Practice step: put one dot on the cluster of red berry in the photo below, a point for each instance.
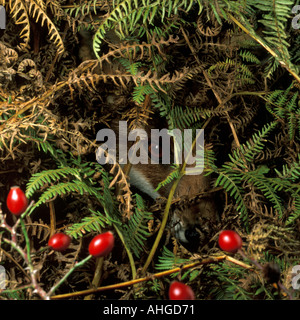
(102, 244)
(229, 241)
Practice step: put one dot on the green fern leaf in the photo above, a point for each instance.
(136, 230)
(174, 174)
(168, 260)
(39, 179)
(62, 189)
(230, 182)
(93, 223)
(266, 187)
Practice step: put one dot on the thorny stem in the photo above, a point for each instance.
(34, 284)
(25, 255)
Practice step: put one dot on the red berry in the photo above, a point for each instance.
(59, 241)
(16, 201)
(230, 241)
(102, 244)
(180, 291)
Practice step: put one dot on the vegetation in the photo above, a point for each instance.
(230, 67)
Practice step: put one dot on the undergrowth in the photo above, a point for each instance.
(229, 67)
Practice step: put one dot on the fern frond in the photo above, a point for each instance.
(138, 51)
(291, 173)
(266, 186)
(249, 57)
(276, 15)
(242, 71)
(162, 102)
(278, 99)
(282, 105)
(83, 9)
(37, 12)
(136, 229)
(292, 117)
(62, 189)
(132, 68)
(128, 14)
(229, 276)
(39, 179)
(252, 147)
(184, 117)
(174, 174)
(168, 260)
(296, 214)
(156, 82)
(271, 66)
(231, 181)
(139, 93)
(93, 223)
(20, 15)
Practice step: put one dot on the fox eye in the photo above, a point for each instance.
(155, 151)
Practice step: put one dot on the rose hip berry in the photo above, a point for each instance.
(230, 241)
(102, 244)
(59, 241)
(180, 291)
(16, 201)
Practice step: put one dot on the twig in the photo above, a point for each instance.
(52, 218)
(154, 276)
(62, 280)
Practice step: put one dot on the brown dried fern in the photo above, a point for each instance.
(21, 11)
(20, 15)
(123, 79)
(120, 179)
(136, 51)
(38, 12)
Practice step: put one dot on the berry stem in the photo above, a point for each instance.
(256, 263)
(63, 279)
